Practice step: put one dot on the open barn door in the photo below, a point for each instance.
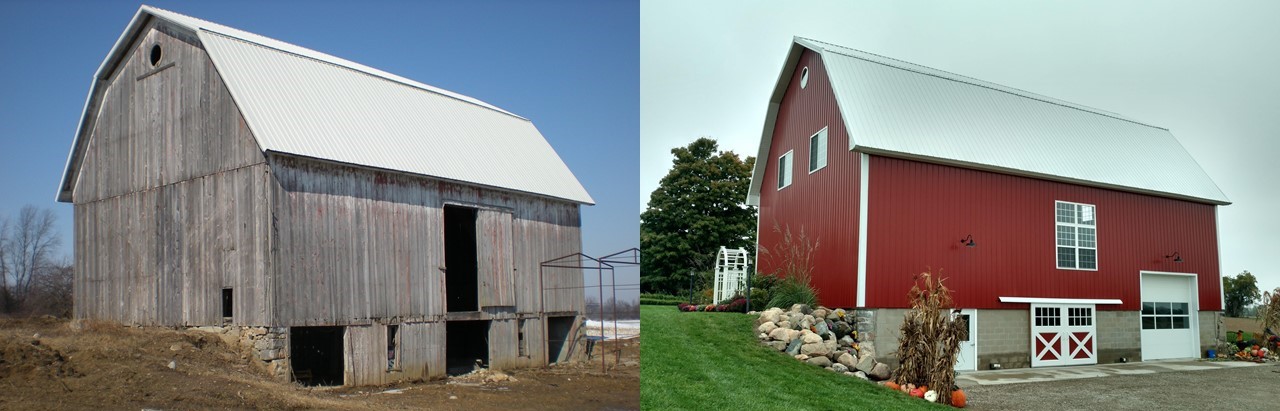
(495, 258)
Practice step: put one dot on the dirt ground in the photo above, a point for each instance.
(1246, 388)
(44, 364)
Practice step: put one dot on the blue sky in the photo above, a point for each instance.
(572, 67)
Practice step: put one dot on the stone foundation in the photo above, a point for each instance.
(267, 348)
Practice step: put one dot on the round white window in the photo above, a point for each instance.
(804, 77)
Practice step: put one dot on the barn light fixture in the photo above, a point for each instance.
(968, 241)
(1177, 258)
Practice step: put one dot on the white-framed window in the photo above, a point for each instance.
(1080, 316)
(784, 170)
(1165, 315)
(1076, 228)
(1048, 316)
(818, 150)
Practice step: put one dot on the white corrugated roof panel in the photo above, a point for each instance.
(303, 102)
(895, 108)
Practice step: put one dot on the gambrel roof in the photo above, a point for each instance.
(899, 109)
(306, 103)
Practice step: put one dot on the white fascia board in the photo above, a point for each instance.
(1040, 300)
(863, 180)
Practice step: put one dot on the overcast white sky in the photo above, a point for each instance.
(1208, 73)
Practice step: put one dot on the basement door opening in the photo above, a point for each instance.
(559, 335)
(316, 355)
(466, 346)
(461, 282)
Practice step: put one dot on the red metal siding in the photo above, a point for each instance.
(918, 212)
(823, 204)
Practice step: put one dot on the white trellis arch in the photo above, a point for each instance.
(731, 272)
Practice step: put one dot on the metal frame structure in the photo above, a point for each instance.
(731, 272)
(580, 261)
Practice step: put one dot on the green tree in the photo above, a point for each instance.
(698, 207)
(1240, 291)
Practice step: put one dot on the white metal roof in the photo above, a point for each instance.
(894, 108)
(303, 102)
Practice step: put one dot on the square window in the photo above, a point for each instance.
(1066, 213)
(1088, 237)
(1148, 323)
(1180, 323)
(1164, 308)
(818, 151)
(1148, 308)
(1164, 323)
(1088, 259)
(1180, 309)
(1066, 257)
(1086, 214)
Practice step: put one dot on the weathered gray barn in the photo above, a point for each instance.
(352, 225)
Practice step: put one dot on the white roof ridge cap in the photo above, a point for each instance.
(960, 78)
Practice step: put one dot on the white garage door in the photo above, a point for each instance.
(1169, 328)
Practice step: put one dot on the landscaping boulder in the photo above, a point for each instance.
(806, 322)
(838, 367)
(793, 347)
(784, 324)
(880, 372)
(777, 345)
(836, 314)
(809, 337)
(821, 328)
(865, 363)
(781, 334)
(848, 360)
(819, 361)
(814, 349)
(841, 328)
(801, 308)
(767, 327)
(820, 312)
(861, 375)
(801, 357)
(846, 341)
(771, 315)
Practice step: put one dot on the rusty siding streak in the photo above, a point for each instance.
(822, 205)
(918, 212)
(170, 204)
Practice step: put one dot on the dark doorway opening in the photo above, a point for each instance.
(461, 282)
(316, 355)
(558, 335)
(466, 346)
(226, 304)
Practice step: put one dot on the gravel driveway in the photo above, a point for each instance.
(1246, 388)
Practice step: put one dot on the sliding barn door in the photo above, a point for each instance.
(494, 258)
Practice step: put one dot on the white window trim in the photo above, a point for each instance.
(825, 150)
(791, 163)
(1096, 260)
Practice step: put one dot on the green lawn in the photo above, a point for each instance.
(712, 361)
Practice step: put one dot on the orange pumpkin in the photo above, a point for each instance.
(958, 399)
(892, 385)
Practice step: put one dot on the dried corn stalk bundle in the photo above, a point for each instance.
(930, 338)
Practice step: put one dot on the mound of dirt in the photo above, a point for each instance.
(47, 363)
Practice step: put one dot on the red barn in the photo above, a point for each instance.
(1069, 235)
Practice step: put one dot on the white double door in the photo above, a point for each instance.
(1063, 334)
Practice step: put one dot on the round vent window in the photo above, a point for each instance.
(155, 54)
(804, 76)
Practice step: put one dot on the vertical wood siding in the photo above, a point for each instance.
(822, 205)
(494, 255)
(918, 212)
(423, 350)
(170, 201)
(354, 245)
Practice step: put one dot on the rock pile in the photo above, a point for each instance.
(821, 337)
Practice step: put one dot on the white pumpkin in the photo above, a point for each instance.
(931, 396)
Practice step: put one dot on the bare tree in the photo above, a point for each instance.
(27, 249)
(51, 291)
